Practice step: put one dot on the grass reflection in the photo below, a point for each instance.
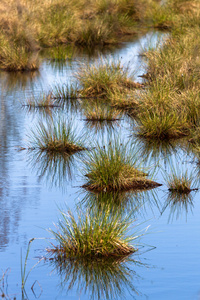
(101, 278)
(15, 81)
(135, 201)
(56, 168)
(103, 127)
(154, 150)
(44, 113)
(178, 204)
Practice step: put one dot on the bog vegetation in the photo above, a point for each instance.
(28, 26)
(56, 136)
(93, 233)
(115, 167)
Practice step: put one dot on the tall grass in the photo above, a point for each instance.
(57, 136)
(114, 167)
(93, 233)
(52, 23)
(32, 25)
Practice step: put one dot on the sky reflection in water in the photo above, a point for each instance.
(33, 185)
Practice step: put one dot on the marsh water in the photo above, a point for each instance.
(33, 188)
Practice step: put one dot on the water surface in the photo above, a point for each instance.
(32, 189)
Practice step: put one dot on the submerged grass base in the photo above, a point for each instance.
(135, 183)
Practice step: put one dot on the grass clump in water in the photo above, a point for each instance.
(113, 167)
(160, 114)
(156, 125)
(93, 233)
(98, 111)
(102, 77)
(180, 181)
(57, 136)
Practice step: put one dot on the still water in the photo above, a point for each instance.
(32, 189)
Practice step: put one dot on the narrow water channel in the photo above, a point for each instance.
(32, 190)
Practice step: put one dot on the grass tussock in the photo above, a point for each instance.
(56, 136)
(113, 167)
(93, 234)
(98, 111)
(169, 108)
(180, 181)
(162, 126)
(102, 77)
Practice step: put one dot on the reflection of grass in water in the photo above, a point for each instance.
(44, 113)
(101, 278)
(60, 53)
(94, 233)
(56, 136)
(13, 81)
(56, 168)
(105, 127)
(156, 150)
(135, 201)
(42, 101)
(178, 203)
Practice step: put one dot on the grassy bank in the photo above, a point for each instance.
(27, 26)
